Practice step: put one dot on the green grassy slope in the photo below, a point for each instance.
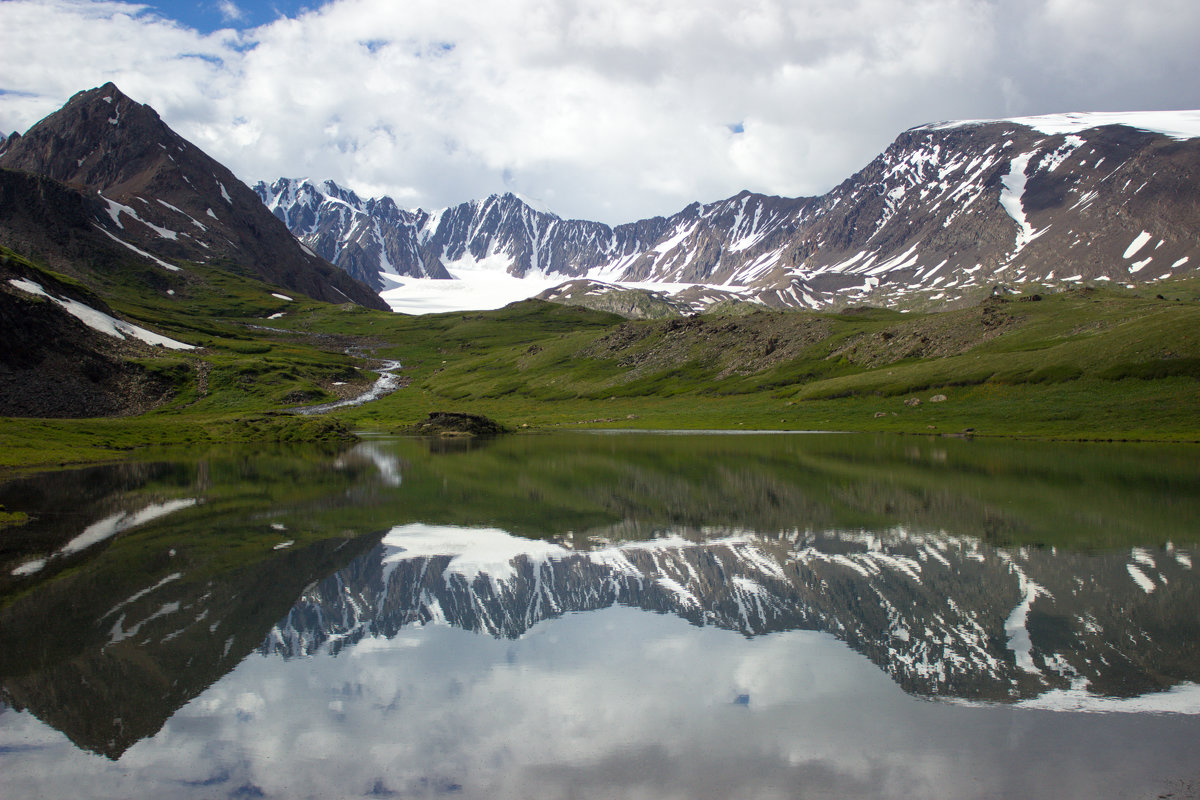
(1092, 363)
(1083, 364)
(232, 388)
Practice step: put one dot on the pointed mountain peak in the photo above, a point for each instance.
(517, 198)
(332, 189)
(166, 196)
(110, 103)
(99, 139)
(108, 93)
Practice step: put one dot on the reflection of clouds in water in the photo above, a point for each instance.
(389, 465)
(616, 703)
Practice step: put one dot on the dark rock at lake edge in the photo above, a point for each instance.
(452, 423)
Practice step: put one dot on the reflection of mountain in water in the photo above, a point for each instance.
(115, 681)
(942, 615)
(136, 586)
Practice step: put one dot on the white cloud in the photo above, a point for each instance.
(602, 109)
(230, 11)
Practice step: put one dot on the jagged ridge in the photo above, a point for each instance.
(946, 212)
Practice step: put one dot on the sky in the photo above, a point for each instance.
(611, 110)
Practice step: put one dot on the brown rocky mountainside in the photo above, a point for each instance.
(146, 189)
(52, 364)
(944, 214)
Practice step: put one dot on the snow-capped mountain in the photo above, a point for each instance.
(363, 238)
(943, 616)
(374, 238)
(948, 211)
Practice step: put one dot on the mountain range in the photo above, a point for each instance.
(948, 212)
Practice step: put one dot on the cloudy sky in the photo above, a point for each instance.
(599, 109)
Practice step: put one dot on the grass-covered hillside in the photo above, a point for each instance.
(1090, 363)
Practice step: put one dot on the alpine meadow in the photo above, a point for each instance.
(326, 487)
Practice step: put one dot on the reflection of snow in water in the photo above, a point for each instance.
(106, 528)
(1183, 698)
(1017, 625)
(387, 383)
(503, 584)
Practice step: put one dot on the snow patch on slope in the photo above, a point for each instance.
(1137, 244)
(98, 320)
(1178, 125)
(1012, 201)
(140, 251)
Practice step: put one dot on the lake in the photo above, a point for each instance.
(607, 615)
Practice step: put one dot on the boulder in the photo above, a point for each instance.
(453, 423)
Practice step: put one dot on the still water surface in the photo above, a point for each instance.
(598, 616)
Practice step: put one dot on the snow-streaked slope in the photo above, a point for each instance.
(945, 214)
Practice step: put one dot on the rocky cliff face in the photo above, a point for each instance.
(946, 213)
(150, 191)
(363, 238)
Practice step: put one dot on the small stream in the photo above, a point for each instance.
(387, 383)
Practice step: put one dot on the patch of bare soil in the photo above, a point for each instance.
(740, 345)
(935, 336)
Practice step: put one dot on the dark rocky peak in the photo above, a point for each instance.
(516, 201)
(496, 207)
(101, 139)
(386, 208)
(294, 201)
(165, 196)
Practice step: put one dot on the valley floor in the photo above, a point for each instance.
(1088, 364)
